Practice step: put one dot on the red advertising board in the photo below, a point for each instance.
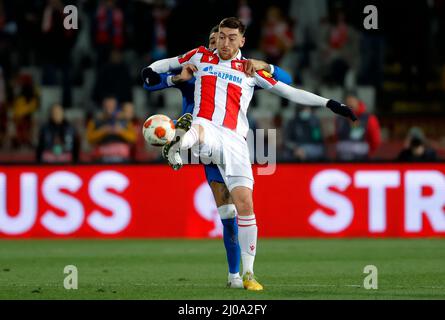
(304, 200)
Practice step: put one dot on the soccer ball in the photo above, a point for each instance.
(158, 130)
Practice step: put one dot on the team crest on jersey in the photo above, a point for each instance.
(238, 65)
(207, 58)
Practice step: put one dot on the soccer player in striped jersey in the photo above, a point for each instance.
(185, 82)
(222, 95)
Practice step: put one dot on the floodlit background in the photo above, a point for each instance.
(336, 200)
(394, 77)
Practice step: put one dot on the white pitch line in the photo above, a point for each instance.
(314, 285)
(291, 285)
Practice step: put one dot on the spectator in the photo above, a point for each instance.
(29, 30)
(110, 134)
(127, 114)
(8, 39)
(277, 38)
(23, 107)
(339, 49)
(160, 14)
(58, 139)
(244, 12)
(3, 109)
(114, 77)
(141, 18)
(373, 48)
(303, 137)
(108, 30)
(54, 32)
(416, 148)
(357, 141)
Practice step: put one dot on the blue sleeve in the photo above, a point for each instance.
(160, 86)
(281, 75)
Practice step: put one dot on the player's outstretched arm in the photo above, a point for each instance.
(170, 64)
(303, 97)
(151, 74)
(307, 98)
(165, 65)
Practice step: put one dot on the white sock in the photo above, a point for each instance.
(234, 275)
(189, 139)
(247, 237)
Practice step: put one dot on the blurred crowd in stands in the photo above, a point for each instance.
(69, 95)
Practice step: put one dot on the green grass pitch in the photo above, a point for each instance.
(196, 269)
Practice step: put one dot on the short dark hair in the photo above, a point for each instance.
(233, 23)
(214, 29)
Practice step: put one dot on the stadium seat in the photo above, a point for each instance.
(268, 103)
(173, 100)
(48, 96)
(367, 94)
(141, 108)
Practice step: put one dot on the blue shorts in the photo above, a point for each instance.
(212, 173)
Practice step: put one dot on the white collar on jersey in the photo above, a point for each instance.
(238, 55)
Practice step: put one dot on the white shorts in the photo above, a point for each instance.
(229, 151)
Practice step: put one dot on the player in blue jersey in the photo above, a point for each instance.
(184, 81)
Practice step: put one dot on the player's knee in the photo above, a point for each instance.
(244, 206)
(227, 211)
(220, 193)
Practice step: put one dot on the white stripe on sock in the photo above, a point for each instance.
(246, 220)
(247, 237)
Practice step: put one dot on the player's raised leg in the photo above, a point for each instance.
(171, 151)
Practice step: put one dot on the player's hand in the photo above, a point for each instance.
(253, 65)
(186, 73)
(150, 77)
(341, 109)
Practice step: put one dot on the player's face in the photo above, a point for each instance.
(229, 42)
(212, 40)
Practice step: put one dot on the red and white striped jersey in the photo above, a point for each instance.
(222, 90)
